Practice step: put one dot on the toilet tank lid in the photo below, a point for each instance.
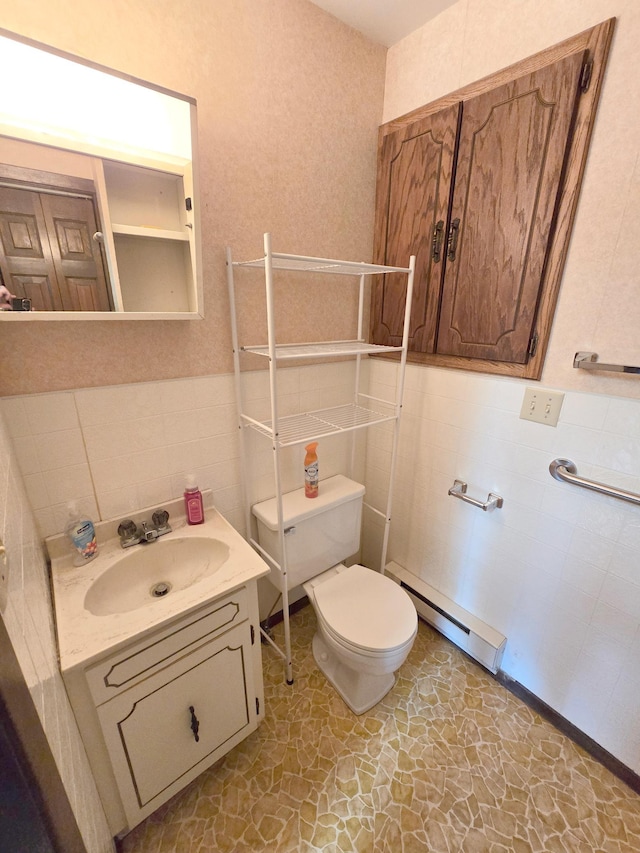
(296, 507)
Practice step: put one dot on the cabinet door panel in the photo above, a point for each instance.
(510, 163)
(25, 254)
(47, 251)
(71, 224)
(156, 732)
(414, 177)
(40, 289)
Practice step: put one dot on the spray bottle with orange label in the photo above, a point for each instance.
(311, 471)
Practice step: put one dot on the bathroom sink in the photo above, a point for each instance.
(149, 573)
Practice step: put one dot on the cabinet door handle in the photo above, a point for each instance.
(452, 242)
(436, 245)
(195, 725)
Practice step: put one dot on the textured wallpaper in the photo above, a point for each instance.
(289, 101)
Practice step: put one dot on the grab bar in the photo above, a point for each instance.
(589, 361)
(564, 469)
(459, 490)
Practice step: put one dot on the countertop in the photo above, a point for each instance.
(84, 637)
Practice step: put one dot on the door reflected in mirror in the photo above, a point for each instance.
(98, 207)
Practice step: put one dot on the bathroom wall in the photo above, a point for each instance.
(29, 621)
(119, 448)
(289, 101)
(557, 569)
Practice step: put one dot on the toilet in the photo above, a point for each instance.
(366, 622)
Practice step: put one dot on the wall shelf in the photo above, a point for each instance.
(302, 263)
(309, 426)
(362, 412)
(326, 349)
(144, 231)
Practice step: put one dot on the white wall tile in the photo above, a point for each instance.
(68, 484)
(48, 413)
(556, 559)
(560, 560)
(15, 415)
(28, 618)
(585, 410)
(60, 449)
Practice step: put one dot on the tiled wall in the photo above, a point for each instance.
(121, 448)
(29, 621)
(557, 570)
(113, 450)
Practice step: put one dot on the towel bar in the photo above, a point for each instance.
(589, 361)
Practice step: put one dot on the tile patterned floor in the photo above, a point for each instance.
(449, 761)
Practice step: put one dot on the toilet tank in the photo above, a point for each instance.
(319, 532)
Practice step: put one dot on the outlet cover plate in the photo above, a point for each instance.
(541, 406)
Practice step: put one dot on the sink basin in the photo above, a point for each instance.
(149, 573)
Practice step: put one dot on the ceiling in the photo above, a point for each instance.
(384, 21)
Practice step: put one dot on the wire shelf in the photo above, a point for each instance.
(300, 263)
(326, 349)
(296, 429)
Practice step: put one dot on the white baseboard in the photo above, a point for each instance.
(481, 641)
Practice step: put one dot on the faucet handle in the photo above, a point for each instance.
(127, 529)
(160, 518)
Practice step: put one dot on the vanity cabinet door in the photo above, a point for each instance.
(168, 729)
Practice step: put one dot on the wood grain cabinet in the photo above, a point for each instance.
(482, 187)
(48, 252)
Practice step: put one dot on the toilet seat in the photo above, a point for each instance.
(366, 611)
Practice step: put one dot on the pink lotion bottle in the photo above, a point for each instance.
(193, 505)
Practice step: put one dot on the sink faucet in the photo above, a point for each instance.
(148, 533)
(130, 534)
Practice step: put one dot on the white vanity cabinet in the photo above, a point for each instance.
(156, 713)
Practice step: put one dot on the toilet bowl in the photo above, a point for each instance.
(366, 622)
(366, 628)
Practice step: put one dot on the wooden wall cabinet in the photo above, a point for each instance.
(482, 187)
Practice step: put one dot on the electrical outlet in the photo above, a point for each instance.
(541, 406)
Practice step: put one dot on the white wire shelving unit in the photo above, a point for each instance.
(286, 431)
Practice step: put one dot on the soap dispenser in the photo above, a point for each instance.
(193, 505)
(82, 534)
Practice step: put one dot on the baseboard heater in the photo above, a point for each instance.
(479, 640)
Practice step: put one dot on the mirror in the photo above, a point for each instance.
(98, 203)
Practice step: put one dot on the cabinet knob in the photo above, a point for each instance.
(195, 725)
